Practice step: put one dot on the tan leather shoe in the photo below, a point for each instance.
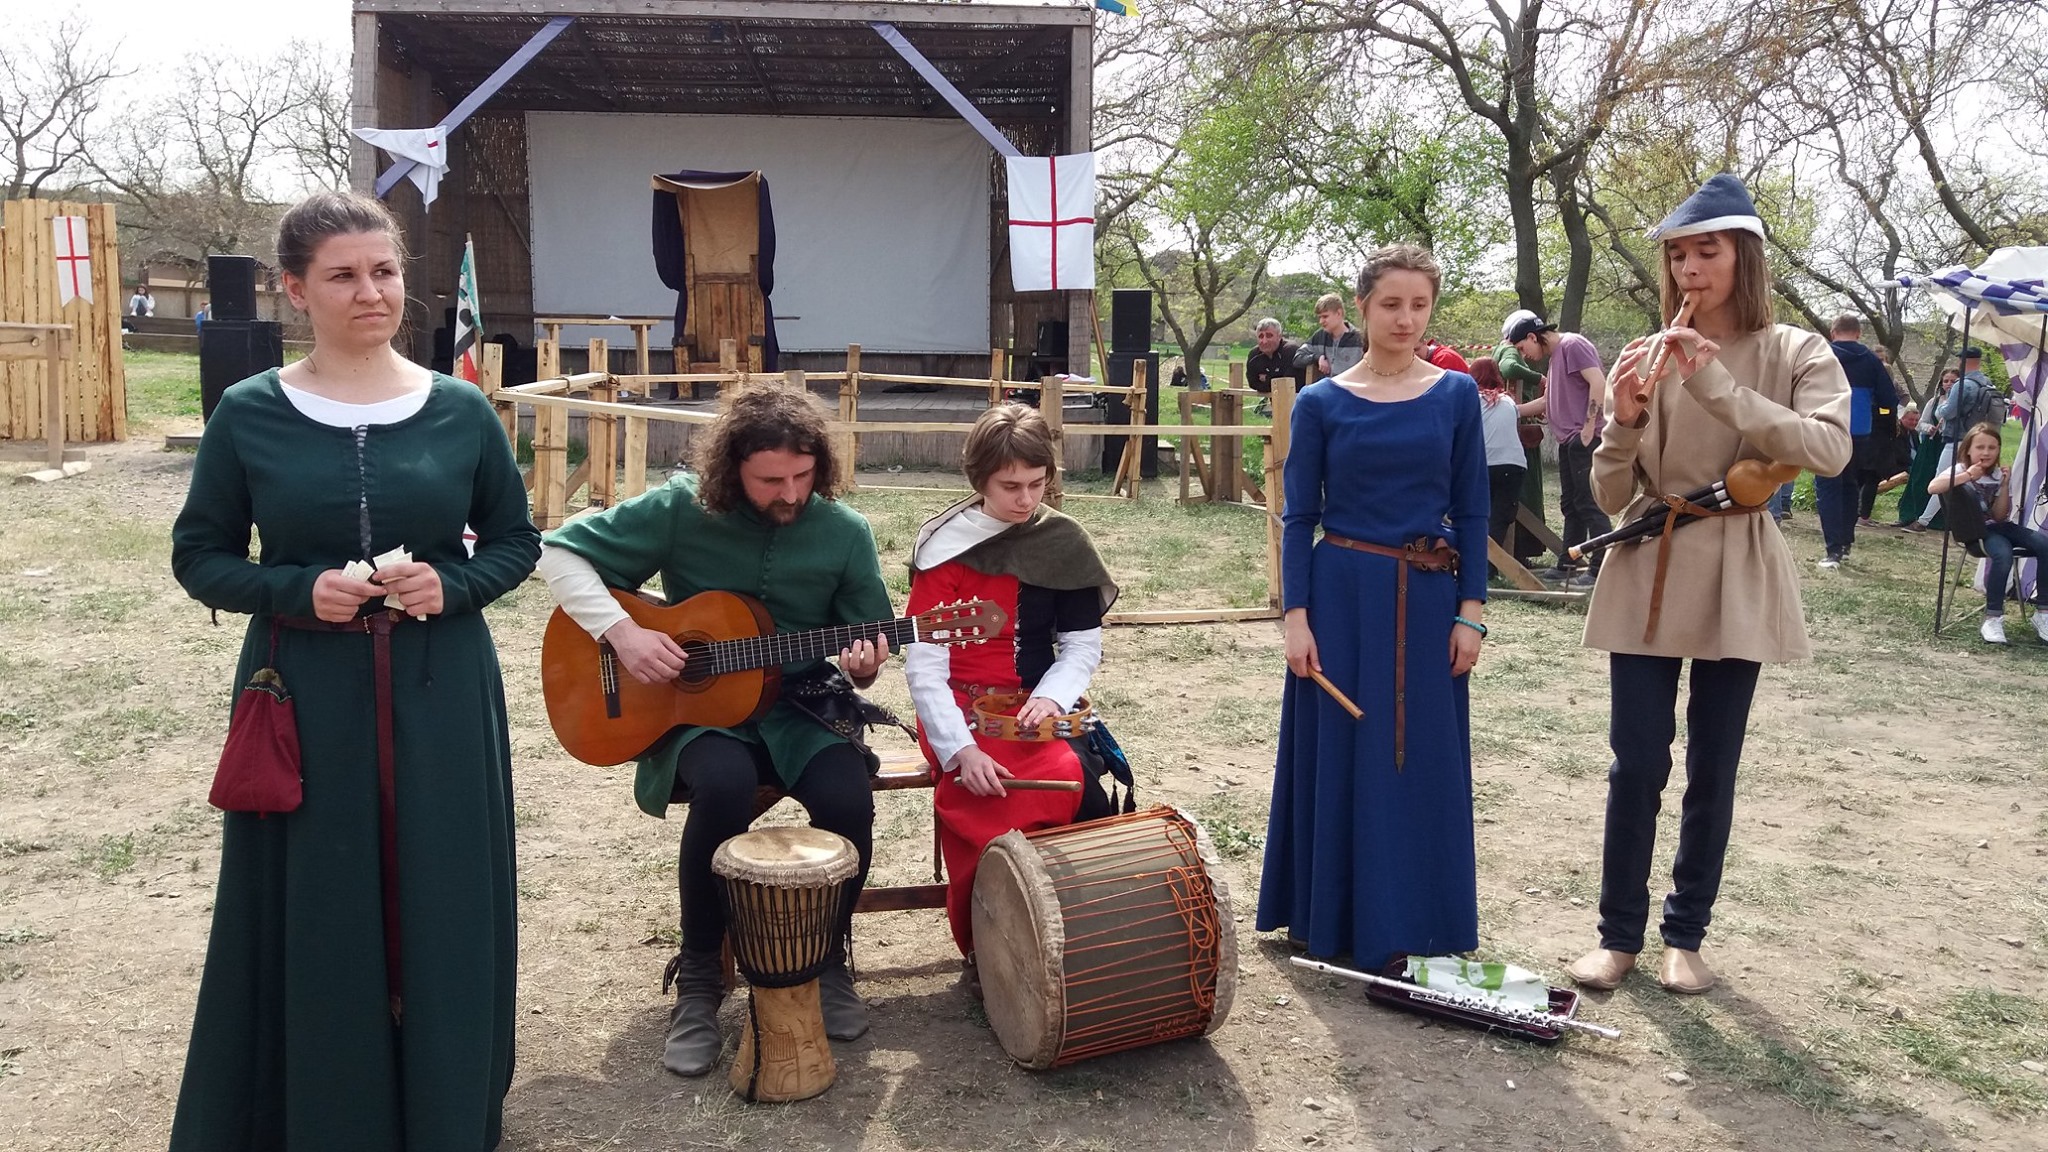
(1684, 972)
(1602, 969)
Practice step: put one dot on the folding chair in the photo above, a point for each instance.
(1965, 528)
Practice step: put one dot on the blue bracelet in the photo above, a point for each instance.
(1474, 625)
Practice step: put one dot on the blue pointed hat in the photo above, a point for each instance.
(1721, 204)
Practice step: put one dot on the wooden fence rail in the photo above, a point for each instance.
(596, 395)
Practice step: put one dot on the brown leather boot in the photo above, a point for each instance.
(1683, 971)
(1602, 969)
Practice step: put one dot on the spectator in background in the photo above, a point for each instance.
(1525, 380)
(1978, 478)
(1336, 346)
(1925, 447)
(142, 303)
(1966, 401)
(1443, 356)
(200, 317)
(1499, 416)
(1870, 389)
(1274, 356)
(1575, 400)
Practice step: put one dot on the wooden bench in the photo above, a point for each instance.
(900, 769)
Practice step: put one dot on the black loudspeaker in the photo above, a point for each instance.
(231, 287)
(1049, 353)
(1118, 411)
(231, 351)
(1130, 320)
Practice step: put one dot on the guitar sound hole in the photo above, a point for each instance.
(696, 672)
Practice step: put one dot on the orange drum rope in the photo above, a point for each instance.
(1149, 974)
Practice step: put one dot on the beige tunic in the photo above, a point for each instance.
(1730, 591)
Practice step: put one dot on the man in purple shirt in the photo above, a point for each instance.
(1575, 396)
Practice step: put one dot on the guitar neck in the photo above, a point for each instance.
(798, 647)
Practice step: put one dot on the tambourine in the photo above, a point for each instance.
(995, 714)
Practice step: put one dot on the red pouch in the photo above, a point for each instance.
(259, 767)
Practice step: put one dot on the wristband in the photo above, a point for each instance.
(1474, 625)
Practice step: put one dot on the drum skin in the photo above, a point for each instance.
(1103, 936)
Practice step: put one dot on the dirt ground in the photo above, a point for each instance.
(1879, 933)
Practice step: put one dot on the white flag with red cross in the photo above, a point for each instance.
(1052, 222)
(74, 259)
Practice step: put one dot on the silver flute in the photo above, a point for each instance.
(1529, 1016)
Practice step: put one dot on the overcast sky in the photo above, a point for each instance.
(155, 34)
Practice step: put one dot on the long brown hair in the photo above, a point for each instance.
(761, 418)
(1749, 299)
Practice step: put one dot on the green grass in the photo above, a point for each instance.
(161, 386)
(1975, 1040)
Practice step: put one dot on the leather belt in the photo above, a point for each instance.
(379, 626)
(1430, 557)
(1677, 506)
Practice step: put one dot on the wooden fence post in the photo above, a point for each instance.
(550, 465)
(1134, 445)
(728, 364)
(1051, 398)
(491, 378)
(995, 376)
(1276, 465)
(601, 431)
(848, 447)
(547, 360)
(1186, 447)
(636, 457)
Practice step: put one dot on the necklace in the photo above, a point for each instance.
(1375, 370)
(312, 369)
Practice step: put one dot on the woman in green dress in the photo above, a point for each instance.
(358, 986)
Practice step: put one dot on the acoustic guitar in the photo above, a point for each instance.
(603, 716)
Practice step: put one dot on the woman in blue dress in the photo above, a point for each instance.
(1369, 846)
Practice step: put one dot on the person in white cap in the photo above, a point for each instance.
(1720, 591)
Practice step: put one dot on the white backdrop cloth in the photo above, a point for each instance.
(882, 227)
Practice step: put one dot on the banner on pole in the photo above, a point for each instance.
(468, 318)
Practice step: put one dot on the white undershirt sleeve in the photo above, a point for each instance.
(1080, 654)
(928, 669)
(580, 591)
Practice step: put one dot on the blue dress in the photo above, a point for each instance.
(1362, 858)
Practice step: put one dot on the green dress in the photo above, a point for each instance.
(1527, 378)
(818, 572)
(293, 1045)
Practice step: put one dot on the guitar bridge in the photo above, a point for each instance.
(608, 679)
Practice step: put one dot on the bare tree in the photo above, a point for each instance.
(195, 168)
(316, 131)
(51, 89)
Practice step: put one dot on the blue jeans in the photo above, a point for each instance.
(2000, 538)
(1781, 501)
(1835, 498)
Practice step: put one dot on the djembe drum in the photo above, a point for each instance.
(1098, 937)
(784, 891)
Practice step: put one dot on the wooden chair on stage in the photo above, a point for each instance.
(722, 253)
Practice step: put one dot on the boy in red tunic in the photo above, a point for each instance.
(1005, 545)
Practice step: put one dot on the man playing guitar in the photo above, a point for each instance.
(758, 518)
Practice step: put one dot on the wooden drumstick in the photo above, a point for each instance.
(1041, 785)
(1336, 694)
(1648, 380)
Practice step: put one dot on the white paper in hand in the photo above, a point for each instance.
(398, 555)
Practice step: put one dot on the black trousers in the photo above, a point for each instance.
(1504, 489)
(1641, 727)
(720, 774)
(1583, 518)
